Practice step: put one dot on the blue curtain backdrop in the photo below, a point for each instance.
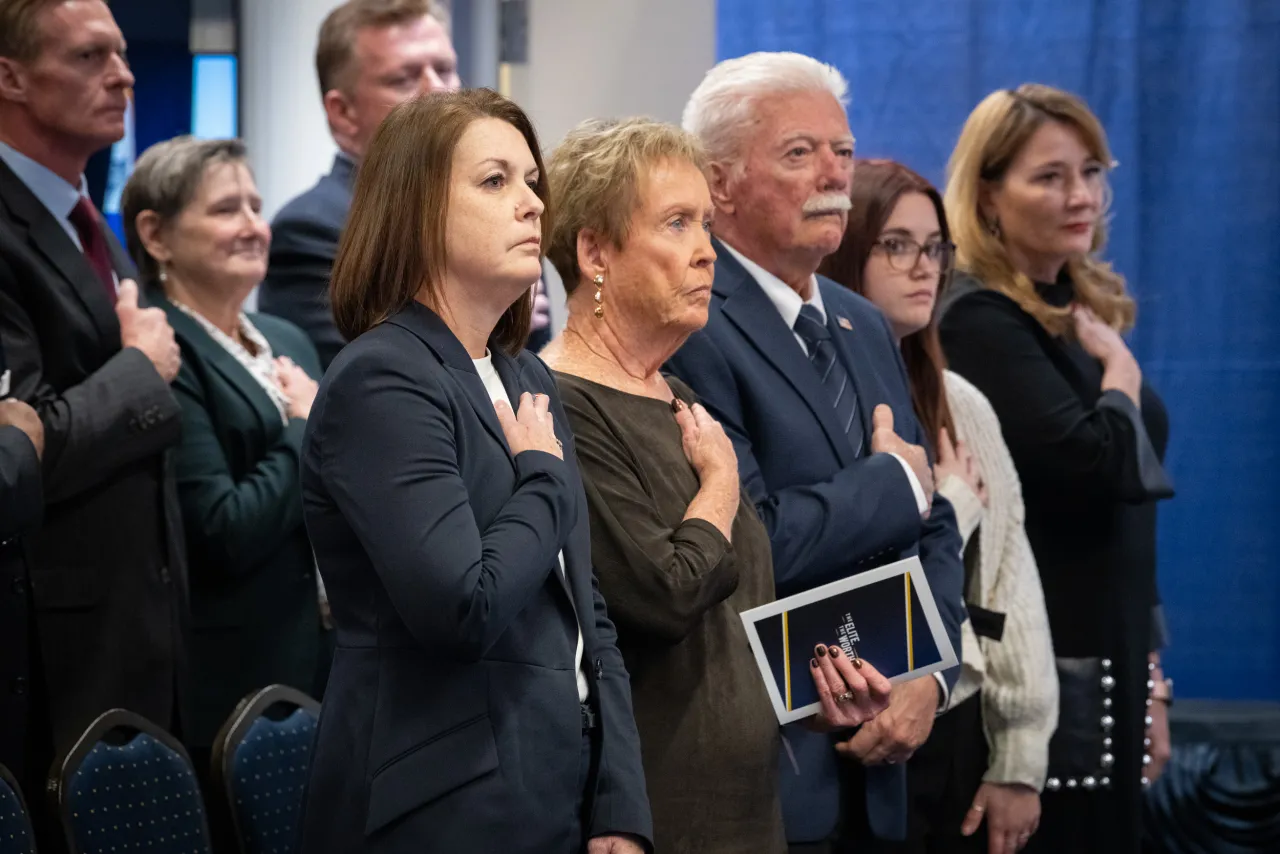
(1189, 91)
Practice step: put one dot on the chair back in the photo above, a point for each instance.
(127, 785)
(261, 759)
(16, 835)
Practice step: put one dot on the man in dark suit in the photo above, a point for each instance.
(107, 568)
(21, 444)
(807, 380)
(372, 55)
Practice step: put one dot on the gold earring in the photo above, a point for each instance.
(599, 297)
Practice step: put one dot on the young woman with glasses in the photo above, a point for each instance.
(974, 785)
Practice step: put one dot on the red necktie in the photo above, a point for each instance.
(85, 219)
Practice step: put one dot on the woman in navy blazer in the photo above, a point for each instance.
(477, 700)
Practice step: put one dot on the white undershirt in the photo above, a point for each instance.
(493, 385)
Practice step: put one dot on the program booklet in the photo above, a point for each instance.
(884, 616)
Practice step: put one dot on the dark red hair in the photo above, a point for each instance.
(877, 186)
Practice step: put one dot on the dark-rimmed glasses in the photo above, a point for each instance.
(904, 253)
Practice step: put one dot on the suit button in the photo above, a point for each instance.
(19, 586)
(18, 685)
(8, 542)
(164, 574)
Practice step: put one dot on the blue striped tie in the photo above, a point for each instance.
(835, 379)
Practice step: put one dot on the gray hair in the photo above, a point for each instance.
(165, 180)
(720, 108)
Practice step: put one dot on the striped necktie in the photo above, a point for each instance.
(835, 379)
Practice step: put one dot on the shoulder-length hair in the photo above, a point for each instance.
(877, 187)
(994, 134)
(393, 246)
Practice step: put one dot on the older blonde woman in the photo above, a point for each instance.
(1035, 325)
(676, 545)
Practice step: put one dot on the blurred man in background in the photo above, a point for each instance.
(371, 56)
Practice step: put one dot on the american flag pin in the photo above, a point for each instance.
(844, 323)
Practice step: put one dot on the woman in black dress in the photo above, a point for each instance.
(1036, 325)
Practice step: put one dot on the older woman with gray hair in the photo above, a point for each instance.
(676, 543)
(194, 226)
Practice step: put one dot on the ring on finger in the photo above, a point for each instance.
(846, 697)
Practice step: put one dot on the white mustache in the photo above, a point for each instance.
(827, 203)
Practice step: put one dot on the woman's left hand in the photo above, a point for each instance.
(1012, 812)
(849, 694)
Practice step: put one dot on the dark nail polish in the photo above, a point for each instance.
(835, 652)
(813, 662)
(676, 404)
(820, 650)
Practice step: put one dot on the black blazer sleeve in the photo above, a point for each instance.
(817, 530)
(237, 521)
(390, 462)
(21, 501)
(1052, 434)
(120, 414)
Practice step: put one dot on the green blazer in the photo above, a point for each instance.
(254, 610)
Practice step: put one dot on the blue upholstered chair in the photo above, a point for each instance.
(127, 785)
(16, 836)
(261, 759)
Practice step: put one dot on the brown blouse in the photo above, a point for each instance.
(674, 589)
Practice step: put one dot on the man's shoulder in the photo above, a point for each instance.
(325, 203)
(856, 308)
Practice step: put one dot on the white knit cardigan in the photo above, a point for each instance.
(1017, 674)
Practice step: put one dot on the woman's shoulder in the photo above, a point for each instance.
(967, 293)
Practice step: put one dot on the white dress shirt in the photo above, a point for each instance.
(497, 391)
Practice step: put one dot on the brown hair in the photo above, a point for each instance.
(393, 245)
(877, 187)
(335, 48)
(993, 135)
(165, 180)
(595, 178)
(20, 33)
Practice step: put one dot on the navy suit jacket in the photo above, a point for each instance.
(829, 513)
(451, 720)
(304, 243)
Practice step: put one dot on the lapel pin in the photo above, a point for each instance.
(844, 323)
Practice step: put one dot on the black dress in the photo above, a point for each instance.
(1091, 473)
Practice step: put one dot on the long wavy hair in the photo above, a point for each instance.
(877, 187)
(993, 136)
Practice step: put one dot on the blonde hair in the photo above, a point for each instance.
(993, 135)
(595, 176)
(720, 110)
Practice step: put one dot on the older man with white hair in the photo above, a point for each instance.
(807, 380)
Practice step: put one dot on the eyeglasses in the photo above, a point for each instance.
(903, 253)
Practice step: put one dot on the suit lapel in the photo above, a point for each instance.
(516, 378)
(50, 240)
(749, 309)
(216, 356)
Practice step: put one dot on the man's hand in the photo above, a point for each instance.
(899, 730)
(885, 441)
(147, 329)
(614, 845)
(15, 413)
(1013, 814)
